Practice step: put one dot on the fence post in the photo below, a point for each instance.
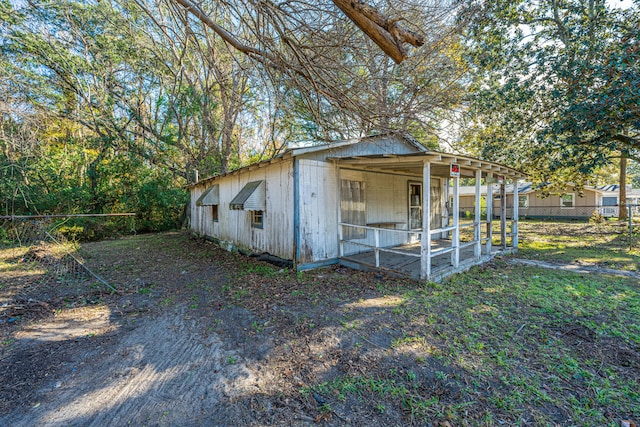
(630, 215)
(376, 239)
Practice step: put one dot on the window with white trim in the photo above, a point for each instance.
(567, 201)
(523, 201)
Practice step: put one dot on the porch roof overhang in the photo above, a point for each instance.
(413, 164)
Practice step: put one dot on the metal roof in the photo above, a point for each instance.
(250, 198)
(435, 156)
(211, 196)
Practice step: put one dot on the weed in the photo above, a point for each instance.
(257, 326)
(232, 360)
(325, 408)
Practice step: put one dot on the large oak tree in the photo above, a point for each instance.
(556, 85)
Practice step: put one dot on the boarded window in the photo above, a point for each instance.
(352, 209)
(214, 212)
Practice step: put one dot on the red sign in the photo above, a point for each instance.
(455, 170)
(500, 179)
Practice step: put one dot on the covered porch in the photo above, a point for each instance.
(387, 220)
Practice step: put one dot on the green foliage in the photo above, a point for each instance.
(556, 88)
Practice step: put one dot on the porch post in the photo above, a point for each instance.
(503, 216)
(516, 205)
(455, 240)
(489, 212)
(339, 184)
(425, 242)
(477, 248)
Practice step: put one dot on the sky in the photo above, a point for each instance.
(623, 4)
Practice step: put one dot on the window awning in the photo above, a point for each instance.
(250, 198)
(211, 196)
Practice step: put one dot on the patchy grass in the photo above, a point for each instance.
(509, 345)
(605, 244)
(498, 345)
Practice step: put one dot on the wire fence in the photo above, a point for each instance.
(595, 212)
(605, 220)
(41, 258)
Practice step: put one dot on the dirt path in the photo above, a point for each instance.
(159, 371)
(151, 356)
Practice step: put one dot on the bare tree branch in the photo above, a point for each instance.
(383, 31)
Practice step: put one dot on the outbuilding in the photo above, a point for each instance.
(382, 202)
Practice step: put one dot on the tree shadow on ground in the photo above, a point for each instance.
(221, 339)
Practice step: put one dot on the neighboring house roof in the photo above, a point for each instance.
(608, 188)
(523, 188)
(614, 190)
(470, 190)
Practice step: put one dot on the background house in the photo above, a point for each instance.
(573, 204)
(362, 203)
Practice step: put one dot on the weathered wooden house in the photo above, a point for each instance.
(360, 203)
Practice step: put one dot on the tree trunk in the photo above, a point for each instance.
(622, 193)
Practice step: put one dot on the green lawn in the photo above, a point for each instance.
(605, 244)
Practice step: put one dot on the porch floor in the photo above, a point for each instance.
(410, 266)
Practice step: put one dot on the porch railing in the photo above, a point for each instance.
(376, 246)
(380, 243)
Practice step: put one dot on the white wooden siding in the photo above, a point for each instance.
(318, 204)
(234, 226)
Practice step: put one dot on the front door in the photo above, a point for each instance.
(415, 206)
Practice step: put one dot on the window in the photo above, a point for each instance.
(567, 201)
(523, 201)
(609, 201)
(352, 209)
(257, 219)
(214, 213)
